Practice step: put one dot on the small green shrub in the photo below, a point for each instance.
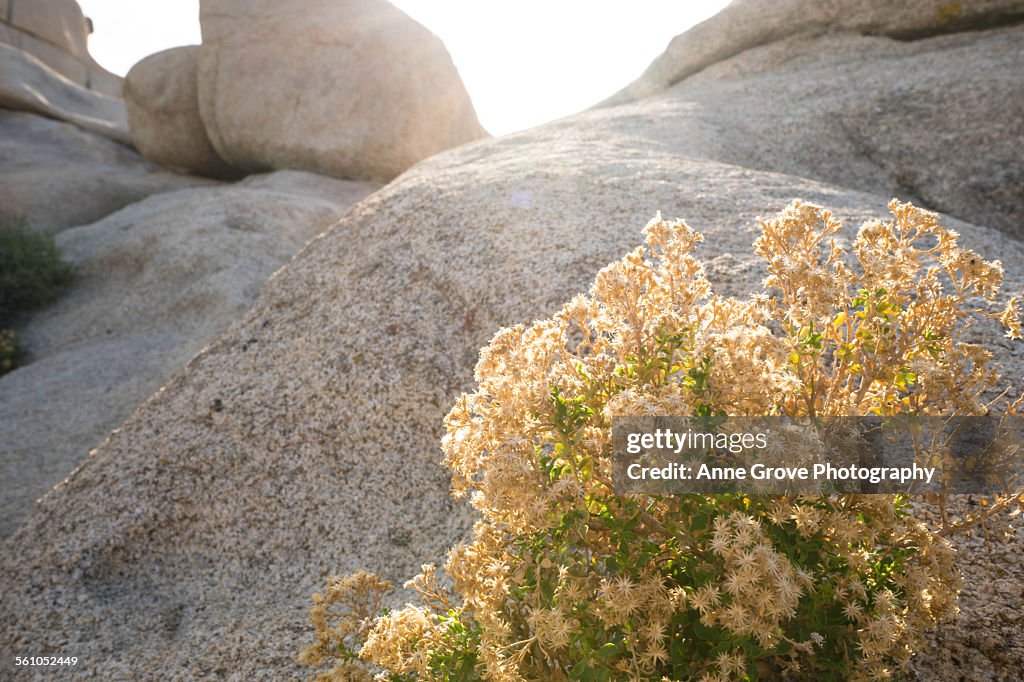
(31, 271)
(10, 351)
(31, 276)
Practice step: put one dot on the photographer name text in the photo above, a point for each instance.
(764, 472)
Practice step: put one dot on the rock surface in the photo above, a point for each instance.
(304, 441)
(154, 284)
(985, 643)
(56, 33)
(745, 24)
(30, 85)
(55, 175)
(939, 120)
(162, 100)
(352, 89)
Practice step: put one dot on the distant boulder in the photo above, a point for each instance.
(56, 33)
(745, 24)
(46, 68)
(28, 84)
(352, 89)
(163, 114)
(934, 119)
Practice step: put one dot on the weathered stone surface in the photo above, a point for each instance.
(104, 81)
(56, 32)
(55, 175)
(58, 22)
(64, 63)
(162, 100)
(350, 89)
(154, 283)
(937, 120)
(745, 24)
(985, 642)
(871, 112)
(28, 84)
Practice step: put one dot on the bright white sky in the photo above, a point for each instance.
(524, 62)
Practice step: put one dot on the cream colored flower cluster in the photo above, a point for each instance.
(563, 575)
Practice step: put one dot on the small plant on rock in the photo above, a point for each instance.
(566, 579)
(10, 351)
(31, 276)
(31, 271)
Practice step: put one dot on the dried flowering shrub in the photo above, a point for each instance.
(342, 618)
(564, 579)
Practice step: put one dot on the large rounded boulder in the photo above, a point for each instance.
(746, 24)
(352, 89)
(162, 100)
